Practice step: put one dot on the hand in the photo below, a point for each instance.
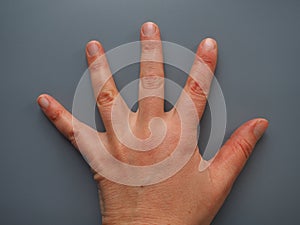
(188, 197)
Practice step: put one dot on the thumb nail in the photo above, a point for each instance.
(260, 127)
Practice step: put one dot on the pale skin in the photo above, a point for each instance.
(189, 197)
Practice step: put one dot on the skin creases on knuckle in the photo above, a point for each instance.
(152, 81)
(196, 90)
(105, 97)
(207, 59)
(73, 135)
(243, 146)
(56, 115)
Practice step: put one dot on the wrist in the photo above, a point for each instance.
(122, 219)
(141, 222)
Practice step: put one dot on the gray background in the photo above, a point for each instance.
(44, 181)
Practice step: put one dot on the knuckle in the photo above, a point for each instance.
(243, 146)
(196, 90)
(105, 97)
(152, 81)
(73, 136)
(55, 116)
(208, 60)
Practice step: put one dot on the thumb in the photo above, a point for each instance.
(232, 157)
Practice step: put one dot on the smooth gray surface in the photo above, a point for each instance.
(44, 181)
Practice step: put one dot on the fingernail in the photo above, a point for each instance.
(260, 128)
(92, 48)
(149, 29)
(43, 102)
(209, 44)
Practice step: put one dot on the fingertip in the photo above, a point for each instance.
(43, 101)
(93, 48)
(149, 29)
(263, 120)
(257, 126)
(207, 52)
(38, 97)
(208, 44)
(260, 127)
(92, 42)
(149, 23)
